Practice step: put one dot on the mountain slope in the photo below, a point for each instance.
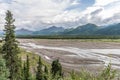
(23, 32)
(49, 31)
(87, 29)
(109, 30)
(92, 29)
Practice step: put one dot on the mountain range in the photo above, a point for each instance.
(88, 29)
(92, 29)
(49, 31)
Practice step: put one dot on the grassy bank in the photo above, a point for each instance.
(80, 38)
(68, 36)
(107, 74)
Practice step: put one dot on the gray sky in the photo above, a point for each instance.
(39, 14)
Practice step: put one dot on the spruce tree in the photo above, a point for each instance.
(56, 69)
(46, 70)
(39, 74)
(20, 70)
(26, 70)
(46, 75)
(10, 47)
(4, 71)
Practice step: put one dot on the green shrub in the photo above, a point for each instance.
(106, 74)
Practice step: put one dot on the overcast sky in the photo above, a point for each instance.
(39, 14)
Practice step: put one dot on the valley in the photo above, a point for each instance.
(75, 54)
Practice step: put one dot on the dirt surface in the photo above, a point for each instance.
(74, 43)
(75, 54)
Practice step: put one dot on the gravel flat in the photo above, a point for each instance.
(75, 54)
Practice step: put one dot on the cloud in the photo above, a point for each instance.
(103, 12)
(75, 2)
(96, 12)
(38, 14)
(104, 2)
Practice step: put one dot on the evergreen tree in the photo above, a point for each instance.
(4, 72)
(46, 76)
(20, 70)
(26, 70)
(39, 74)
(56, 69)
(46, 70)
(10, 47)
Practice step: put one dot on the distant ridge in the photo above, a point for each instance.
(92, 29)
(23, 32)
(49, 31)
(88, 29)
(109, 30)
